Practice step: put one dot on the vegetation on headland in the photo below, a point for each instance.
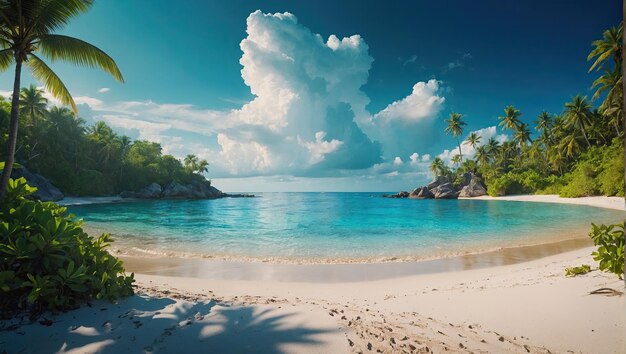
(578, 152)
(47, 261)
(89, 160)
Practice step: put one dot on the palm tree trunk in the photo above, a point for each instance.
(459, 144)
(15, 107)
(582, 129)
(624, 113)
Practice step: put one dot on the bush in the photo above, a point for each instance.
(610, 254)
(47, 261)
(504, 185)
(583, 181)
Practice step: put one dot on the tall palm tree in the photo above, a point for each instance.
(578, 114)
(609, 46)
(492, 146)
(612, 106)
(473, 139)
(455, 127)
(27, 28)
(510, 119)
(543, 122)
(482, 155)
(33, 103)
(570, 145)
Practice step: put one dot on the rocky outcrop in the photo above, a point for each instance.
(421, 193)
(445, 191)
(475, 188)
(176, 190)
(403, 194)
(436, 182)
(46, 191)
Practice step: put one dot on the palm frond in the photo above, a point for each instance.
(52, 15)
(60, 47)
(50, 80)
(6, 58)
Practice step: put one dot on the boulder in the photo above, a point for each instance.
(152, 191)
(176, 190)
(402, 194)
(437, 181)
(421, 193)
(445, 191)
(46, 191)
(475, 188)
(466, 178)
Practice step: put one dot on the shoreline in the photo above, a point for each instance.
(519, 308)
(615, 203)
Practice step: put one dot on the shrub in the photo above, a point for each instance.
(47, 261)
(505, 184)
(610, 253)
(574, 271)
(583, 181)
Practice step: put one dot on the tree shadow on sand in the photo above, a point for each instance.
(161, 325)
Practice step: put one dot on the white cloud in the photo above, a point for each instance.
(319, 148)
(104, 90)
(422, 103)
(397, 161)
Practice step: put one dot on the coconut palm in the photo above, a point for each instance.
(522, 134)
(27, 30)
(437, 166)
(482, 155)
(456, 160)
(473, 139)
(510, 119)
(570, 145)
(455, 127)
(33, 103)
(543, 122)
(609, 46)
(578, 115)
(492, 146)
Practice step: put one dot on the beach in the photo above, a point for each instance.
(511, 300)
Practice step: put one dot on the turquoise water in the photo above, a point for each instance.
(334, 226)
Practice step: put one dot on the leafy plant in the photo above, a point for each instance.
(610, 253)
(574, 271)
(47, 261)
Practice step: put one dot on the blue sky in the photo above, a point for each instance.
(274, 106)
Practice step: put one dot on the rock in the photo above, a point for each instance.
(46, 191)
(439, 180)
(152, 191)
(421, 193)
(475, 188)
(176, 190)
(466, 178)
(403, 194)
(445, 191)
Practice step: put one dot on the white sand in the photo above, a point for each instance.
(516, 308)
(523, 307)
(616, 203)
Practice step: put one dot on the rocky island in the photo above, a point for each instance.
(441, 188)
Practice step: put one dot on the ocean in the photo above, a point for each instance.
(332, 227)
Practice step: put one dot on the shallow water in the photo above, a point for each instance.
(334, 226)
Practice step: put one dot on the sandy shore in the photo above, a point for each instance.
(616, 203)
(524, 307)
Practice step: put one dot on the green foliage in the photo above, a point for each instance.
(504, 185)
(582, 182)
(574, 271)
(610, 253)
(47, 261)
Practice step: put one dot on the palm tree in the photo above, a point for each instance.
(570, 145)
(456, 160)
(510, 120)
(482, 155)
(473, 139)
(492, 146)
(612, 106)
(437, 166)
(609, 46)
(455, 127)
(543, 122)
(27, 27)
(556, 159)
(33, 103)
(578, 114)
(522, 134)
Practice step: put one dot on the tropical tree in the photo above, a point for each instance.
(482, 155)
(610, 46)
(33, 103)
(578, 115)
(27, 30)
(510, 119)
(437, 166)
(543, 122)
(456, 160)
(522, 134)
(455, 127)
(473, 139)
(492, 147)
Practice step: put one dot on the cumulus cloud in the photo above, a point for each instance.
(308, 116)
